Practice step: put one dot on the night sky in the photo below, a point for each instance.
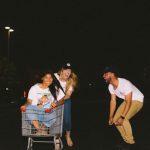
(90, 34)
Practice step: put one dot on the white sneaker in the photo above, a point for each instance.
(58, 143)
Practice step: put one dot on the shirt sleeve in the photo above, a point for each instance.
(32, 95)
(127, 88)
(110, 88)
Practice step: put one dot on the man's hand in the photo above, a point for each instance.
(119, 122)
(110, 121)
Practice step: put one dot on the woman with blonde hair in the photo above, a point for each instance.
(68, 81)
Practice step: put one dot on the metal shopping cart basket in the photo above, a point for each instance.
(53, 131)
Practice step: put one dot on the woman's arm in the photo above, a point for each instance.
(68, 94)
(23, 107)
(58, 103)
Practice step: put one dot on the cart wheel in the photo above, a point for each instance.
(30, 143)
(58, 143)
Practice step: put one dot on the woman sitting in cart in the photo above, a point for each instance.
(42, 98)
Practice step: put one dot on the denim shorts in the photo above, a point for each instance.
(38, 113)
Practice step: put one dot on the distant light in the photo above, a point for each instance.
(11, 30)
(7, 89)
(7, 28)
(90, 84)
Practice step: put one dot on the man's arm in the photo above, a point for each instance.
(128, 99)
(112, 108)
(112, 105)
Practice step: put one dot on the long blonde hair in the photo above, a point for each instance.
(72, 81)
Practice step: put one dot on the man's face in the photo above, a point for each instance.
(107, 77)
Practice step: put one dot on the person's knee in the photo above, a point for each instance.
(115, 119)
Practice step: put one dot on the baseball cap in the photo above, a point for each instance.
(67, 65)
(112, 69)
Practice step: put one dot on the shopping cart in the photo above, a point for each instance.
(52, 133)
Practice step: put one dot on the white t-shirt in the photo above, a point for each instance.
(63, 83)
(36, 93)
(124, 88)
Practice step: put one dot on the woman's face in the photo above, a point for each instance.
(65, 74)
(47, 79)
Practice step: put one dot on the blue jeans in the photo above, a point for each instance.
(67, 115)
(38, 113)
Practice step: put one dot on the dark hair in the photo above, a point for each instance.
(53, 87)
(67, 65)
(112, 69)
(57, 84)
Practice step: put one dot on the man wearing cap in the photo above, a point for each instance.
(68, 81)
(132, 104)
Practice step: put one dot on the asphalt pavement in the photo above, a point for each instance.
(90, 129)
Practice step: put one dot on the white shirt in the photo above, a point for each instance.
(63, 83)
(124, 88)
(36, 93)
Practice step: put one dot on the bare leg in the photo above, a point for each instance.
(68, 139)
(36, 126)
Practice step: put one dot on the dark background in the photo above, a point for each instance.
(91, 34)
